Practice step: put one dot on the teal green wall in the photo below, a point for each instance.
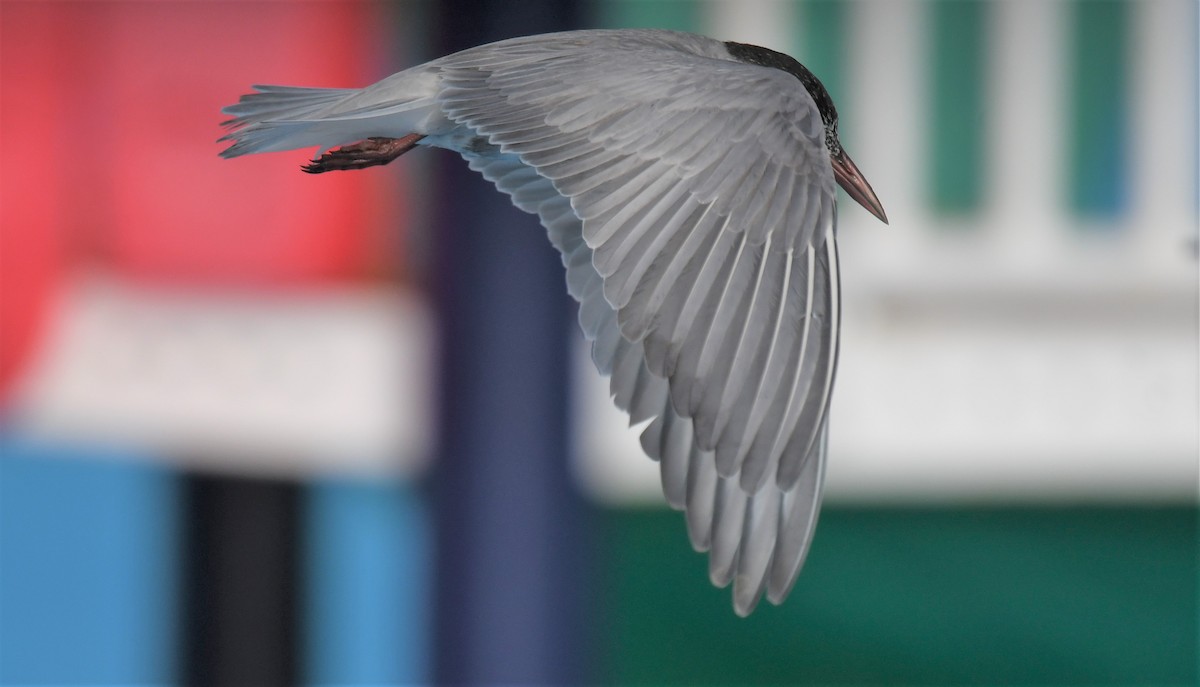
(915, 596)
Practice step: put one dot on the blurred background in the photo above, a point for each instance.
(260, 427)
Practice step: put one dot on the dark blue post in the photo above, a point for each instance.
(509, 606)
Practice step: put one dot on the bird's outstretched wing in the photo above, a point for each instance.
(693, 202)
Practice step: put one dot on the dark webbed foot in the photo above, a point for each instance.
(368, 153)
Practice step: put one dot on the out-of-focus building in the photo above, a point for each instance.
(1014, 437)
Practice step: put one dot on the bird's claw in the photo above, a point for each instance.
(371, 152)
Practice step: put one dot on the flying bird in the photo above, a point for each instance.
(689, 184)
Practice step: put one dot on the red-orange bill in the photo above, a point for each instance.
(850, 179)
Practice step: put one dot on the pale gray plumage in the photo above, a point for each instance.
(692, 198)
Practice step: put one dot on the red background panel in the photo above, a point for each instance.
(110, 114)
(32, 153)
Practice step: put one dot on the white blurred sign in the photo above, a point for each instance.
(288, 383)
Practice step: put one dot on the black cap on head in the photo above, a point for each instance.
(845, 172)
(765, 57)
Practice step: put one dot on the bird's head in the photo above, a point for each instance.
(844, 170)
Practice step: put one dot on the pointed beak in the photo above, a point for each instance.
(850, 179)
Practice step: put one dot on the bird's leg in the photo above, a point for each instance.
(369, 153)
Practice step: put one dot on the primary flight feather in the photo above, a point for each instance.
(689, 184)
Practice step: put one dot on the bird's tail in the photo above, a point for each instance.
(276, 118)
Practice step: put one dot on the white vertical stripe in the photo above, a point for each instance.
(768, 23)
(886, 125)
(1162, 81)
(1027, 103)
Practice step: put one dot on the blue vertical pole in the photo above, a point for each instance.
(509, 605)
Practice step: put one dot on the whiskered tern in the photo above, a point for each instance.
(689, 184)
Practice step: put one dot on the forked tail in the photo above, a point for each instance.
(279, 118)
(373, 125)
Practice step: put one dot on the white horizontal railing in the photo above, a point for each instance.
(1016, 353)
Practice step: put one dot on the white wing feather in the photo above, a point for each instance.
(714, 250)
(692, 199)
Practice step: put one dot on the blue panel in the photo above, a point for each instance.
(368, 576)
(512, 540)
(88, 567)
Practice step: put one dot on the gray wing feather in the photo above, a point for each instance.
(692, 201)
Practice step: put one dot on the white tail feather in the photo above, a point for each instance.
(275, 118)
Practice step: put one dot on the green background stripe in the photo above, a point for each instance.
(821, 45)
(958, 122)
(1098, 118)
(916, 596)
(680, 15)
